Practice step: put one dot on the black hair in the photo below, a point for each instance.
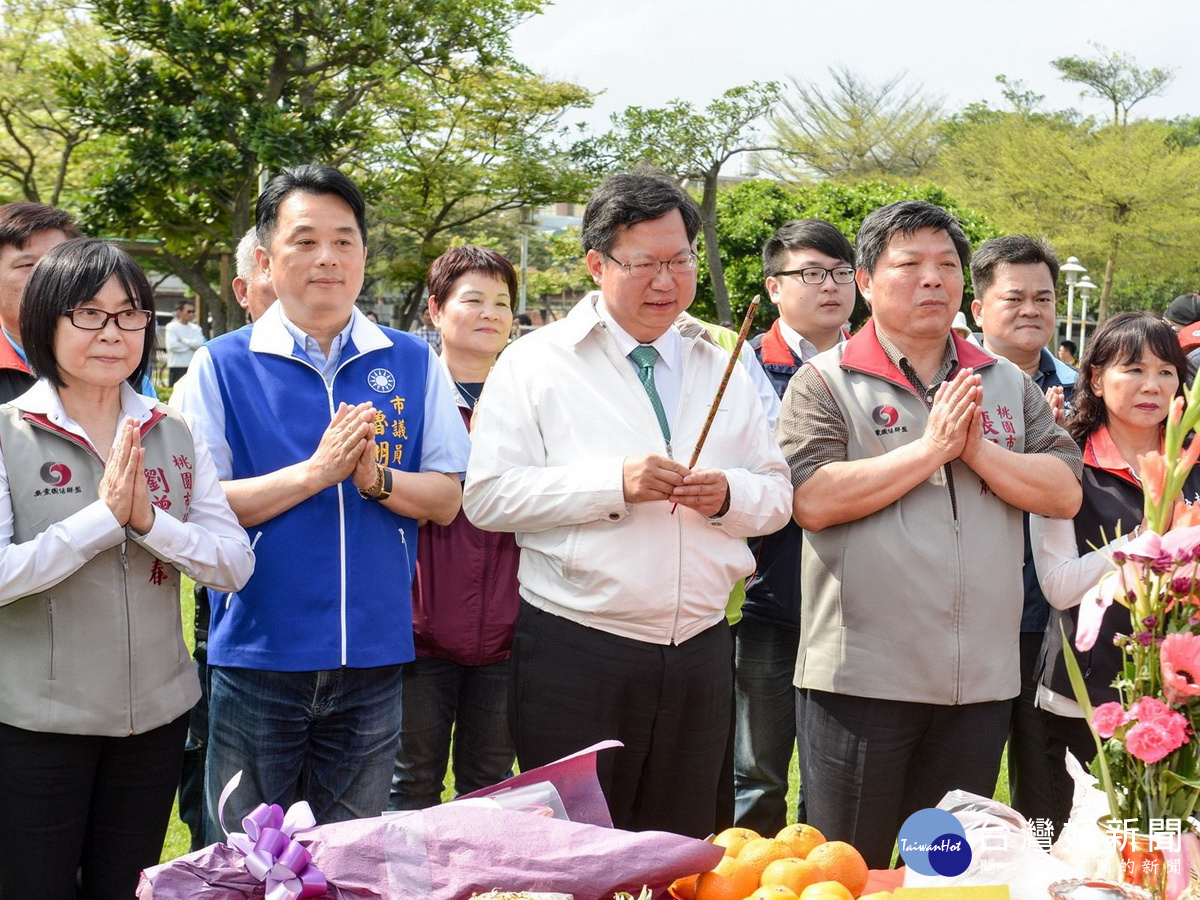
(1015, 249)
(816, 234)
(1119, 342)
(308, 179)
(628, 198)
(69, 275)
(906, 217)
(21, 220)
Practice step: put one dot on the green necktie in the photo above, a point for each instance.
(645, 356)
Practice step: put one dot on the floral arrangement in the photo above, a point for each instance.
(1149, 750)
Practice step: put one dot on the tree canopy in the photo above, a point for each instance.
(1114, 77)
(45, 151)
(455, 149)
(206, 97)
(1125, 195)
(752, 211)
(855, 129)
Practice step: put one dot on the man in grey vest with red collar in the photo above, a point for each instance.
(913, 454)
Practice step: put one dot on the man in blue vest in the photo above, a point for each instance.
(809, 268)
(332, 437)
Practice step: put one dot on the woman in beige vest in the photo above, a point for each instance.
(105, 499)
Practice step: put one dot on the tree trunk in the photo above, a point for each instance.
(712, 251)
(1110, 266)
(192, 273)
(410, 306)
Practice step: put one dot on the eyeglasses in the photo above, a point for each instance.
(680, 265)
(816, 274)
(90, 318)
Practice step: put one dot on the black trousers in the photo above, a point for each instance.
(1032, 772)
(80, 803)
(1065, 733)
(671, 706)
(868, 764)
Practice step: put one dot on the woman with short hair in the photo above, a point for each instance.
(105, 499)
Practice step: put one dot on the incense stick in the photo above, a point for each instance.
(733, 361)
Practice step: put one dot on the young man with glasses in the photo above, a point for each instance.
(581, 444)
(809, 266)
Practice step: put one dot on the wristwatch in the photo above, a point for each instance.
(381, 489)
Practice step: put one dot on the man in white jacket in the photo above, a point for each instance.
(628, 555)
(184, 338)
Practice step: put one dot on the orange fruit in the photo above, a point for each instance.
(761, 852)
(876, 895)
(728, 881)
(773, 892)
(792, 872)
(683, 888)
(842, 863)
(826, 890)
(801, 838)
(734, 839)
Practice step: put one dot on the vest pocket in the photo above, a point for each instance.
(50, 637)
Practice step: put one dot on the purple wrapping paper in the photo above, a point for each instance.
(449, 852)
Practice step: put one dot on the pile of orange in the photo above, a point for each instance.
(796, 864)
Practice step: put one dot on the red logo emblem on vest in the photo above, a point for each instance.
(885, 416)
(55, 474)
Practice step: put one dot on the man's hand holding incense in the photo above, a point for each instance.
(704, 490)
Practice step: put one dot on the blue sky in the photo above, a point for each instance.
(647, 52)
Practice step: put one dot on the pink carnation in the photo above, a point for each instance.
(1149, 709)
(1107, 718)
(1153, 741)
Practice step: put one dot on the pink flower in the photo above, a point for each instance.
(1182, 544)
(1179, 658)
(1149, 709)
(1153, 741)
(1107, 718)
(1177, 726)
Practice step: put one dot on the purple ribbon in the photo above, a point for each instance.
(272, 855)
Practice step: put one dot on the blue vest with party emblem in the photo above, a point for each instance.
(332, 584)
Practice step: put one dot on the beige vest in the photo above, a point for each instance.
(102, 651)
(920, 601)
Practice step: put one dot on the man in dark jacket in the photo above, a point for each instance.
(1014, 278)
(27, 230)
(810, 278)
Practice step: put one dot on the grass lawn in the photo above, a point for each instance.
(178, 839)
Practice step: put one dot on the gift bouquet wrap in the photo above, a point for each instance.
(452, 851)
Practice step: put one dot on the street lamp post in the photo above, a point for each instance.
(527, 218)
(1085, 289)
(1072, 269)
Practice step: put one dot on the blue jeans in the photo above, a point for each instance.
(765, 725)
(328, 737)
(440, 695)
